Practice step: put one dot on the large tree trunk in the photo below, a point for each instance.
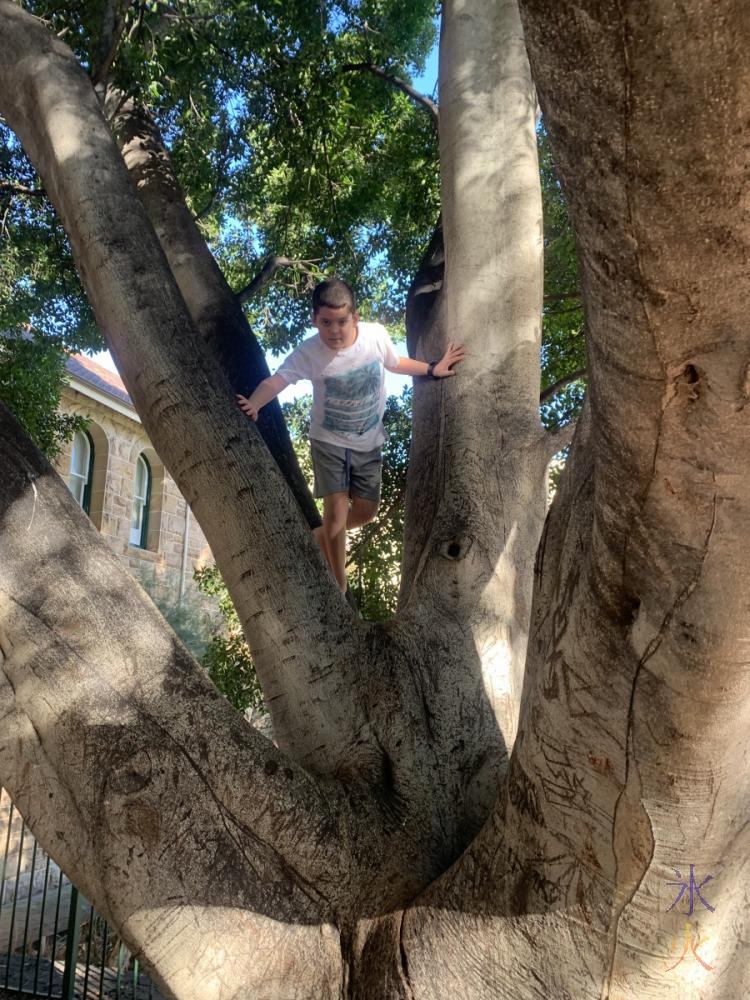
(630, 760)
(388, 848)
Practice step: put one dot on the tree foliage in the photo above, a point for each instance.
(281, 146)
(227, 657)
(32, 369)
(43, 314)
(563, 342)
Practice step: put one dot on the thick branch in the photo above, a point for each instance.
(212, 304)
(113, 26)
(395, 81)
(267, 273)
(475, 460)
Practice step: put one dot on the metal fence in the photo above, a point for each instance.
(53, 943)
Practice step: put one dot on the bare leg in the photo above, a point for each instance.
(361, 512)
(335, 510)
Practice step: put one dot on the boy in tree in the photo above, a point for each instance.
(346, 362)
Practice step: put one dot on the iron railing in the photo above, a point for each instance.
(53, 943)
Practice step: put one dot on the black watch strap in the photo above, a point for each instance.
(431, 370)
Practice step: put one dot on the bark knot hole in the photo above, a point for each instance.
(455, 548)
(689, 376)
(133, 775)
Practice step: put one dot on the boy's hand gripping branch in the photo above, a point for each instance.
(266, 391)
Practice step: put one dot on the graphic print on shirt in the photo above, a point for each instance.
(351, 401)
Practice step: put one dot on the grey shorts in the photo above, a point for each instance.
(344, 470)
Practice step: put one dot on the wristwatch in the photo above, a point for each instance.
(431, 371)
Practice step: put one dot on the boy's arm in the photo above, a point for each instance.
(440, 369)
(267, 390)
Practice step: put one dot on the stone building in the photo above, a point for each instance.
(113, 471)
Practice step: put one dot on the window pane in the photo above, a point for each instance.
(80, 460)
(76, 485)
(140, 500)
(141, 478)
(136, 522)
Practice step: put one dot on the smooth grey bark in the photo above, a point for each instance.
(477, 490)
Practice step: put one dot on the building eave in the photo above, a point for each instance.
(99, 396)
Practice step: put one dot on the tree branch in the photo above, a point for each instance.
(152, 793)
(426, 102)
(481, 429)
(113, 26)
(212, 304)
(267, 273)
(21, 189)
(552, 390)
(560, 438)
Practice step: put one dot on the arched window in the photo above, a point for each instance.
(81, 469)
(141, 499)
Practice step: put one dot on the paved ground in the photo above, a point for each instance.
(90, 987)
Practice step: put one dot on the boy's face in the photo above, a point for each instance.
(337, 327)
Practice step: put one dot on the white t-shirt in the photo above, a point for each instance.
(348, 386)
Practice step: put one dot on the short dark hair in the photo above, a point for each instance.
(333, 293)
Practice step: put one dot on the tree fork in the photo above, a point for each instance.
(147, 787)
(373, 704)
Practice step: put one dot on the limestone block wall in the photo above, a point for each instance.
(118, 441)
